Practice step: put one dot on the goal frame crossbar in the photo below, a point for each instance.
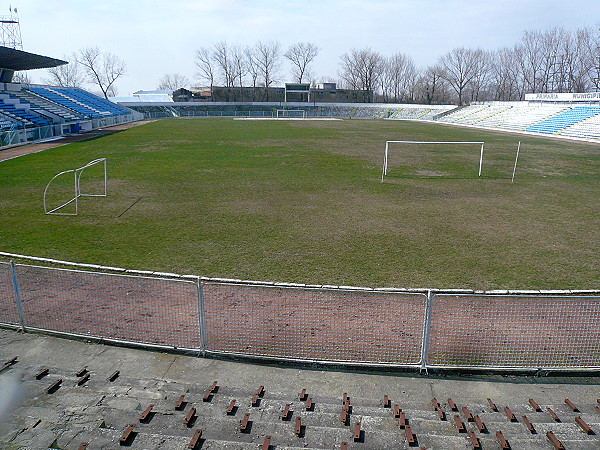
(76, 188)
(387, 143)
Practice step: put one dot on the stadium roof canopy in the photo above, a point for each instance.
(13, 59)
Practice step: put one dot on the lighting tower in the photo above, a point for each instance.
(10, 30)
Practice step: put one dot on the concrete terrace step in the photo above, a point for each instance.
(99, 409)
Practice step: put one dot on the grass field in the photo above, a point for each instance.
(302, 201)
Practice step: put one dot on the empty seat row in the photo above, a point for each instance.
(61, 99)
(45, 106)
(21, 116)
(563, 120)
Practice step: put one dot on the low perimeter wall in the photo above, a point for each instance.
(389, 327)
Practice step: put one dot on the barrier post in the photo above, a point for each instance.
(13, 273)
(426, 333)
(201, 319)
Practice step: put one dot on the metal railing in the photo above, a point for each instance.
(389, 327)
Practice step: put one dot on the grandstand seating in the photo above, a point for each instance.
(525, 116)
(58, 97)
(567, 118)
(586, 129)
(16, 115)
(39, 103)
(36, 112)
(498, 115)
(462, 115)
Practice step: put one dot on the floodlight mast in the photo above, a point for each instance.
(385, 157)
(10, 31)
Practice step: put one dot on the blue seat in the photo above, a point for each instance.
(563, 120)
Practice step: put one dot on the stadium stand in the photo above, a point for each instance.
(565, 119)
(331, 110)
(587, 128)
(17, 115)
(533, 117)
(523, 117)
(30, 113)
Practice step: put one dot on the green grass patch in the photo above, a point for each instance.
(303, 201)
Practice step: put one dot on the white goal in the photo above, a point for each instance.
(387, 148)
(291, 114)
(90, 188)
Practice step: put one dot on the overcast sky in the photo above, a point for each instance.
(158, 37)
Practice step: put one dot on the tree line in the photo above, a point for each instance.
(553, 60)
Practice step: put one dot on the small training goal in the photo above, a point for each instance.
(291, 114)
(93, 185)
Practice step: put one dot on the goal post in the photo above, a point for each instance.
(387, 147)
(77, 191)
(102, 190)
(291, 113)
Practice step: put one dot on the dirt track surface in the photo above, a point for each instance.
(15, 152)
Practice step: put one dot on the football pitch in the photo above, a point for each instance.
(302, 201)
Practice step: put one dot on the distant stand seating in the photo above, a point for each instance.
(588, 128)
(559, 122)
(558, 119)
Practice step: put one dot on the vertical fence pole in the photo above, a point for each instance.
(201, 319)
(13, 272)
(426, 333)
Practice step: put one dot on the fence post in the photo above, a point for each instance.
(426, 333)
(201, 320)
(13, 272)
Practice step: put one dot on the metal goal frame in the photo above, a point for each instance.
(76, 188)
(387, 144)
(284, 111)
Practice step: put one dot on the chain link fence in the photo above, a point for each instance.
(314, 323)
(514, 331)
(131, 308)
(293, 322)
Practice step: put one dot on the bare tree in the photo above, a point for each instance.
(431, 87)
(239, 64)
(67, 75)
(529, 58)
(592, 56)
(504, 76)
(222, 57)
(267, 59)
(252, 68)
(398, 78)
(479, 87)
(205, 66)
(362, 69)
(460, 67)
(102, 69)
(21, 77)
(578, 60)
(173, 81)
(301, 55)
